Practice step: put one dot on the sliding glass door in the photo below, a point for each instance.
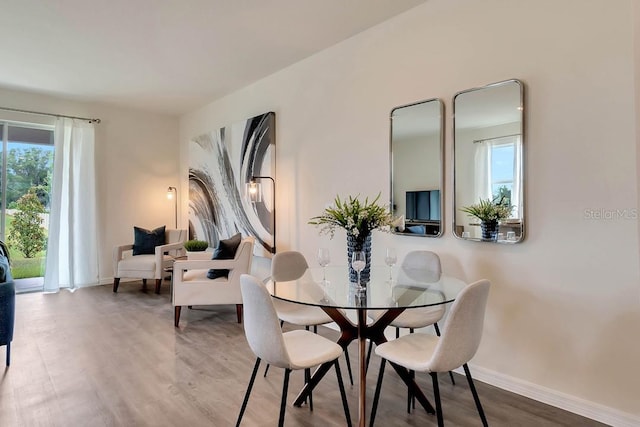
(25, 184)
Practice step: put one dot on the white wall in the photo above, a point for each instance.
(135, 163)
(564, 309)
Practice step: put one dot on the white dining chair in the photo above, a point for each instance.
(432, 354)
(420, 267)
(291, 265)
(293, 350)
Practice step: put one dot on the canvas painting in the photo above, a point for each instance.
(221, 163)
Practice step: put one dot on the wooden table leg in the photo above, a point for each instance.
(349, 332)
(362, 345)
(362, 331)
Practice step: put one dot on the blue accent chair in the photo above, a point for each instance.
(7, 301)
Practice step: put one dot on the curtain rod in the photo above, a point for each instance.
(17, 110)
(475, 141)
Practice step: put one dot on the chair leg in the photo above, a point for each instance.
(307, 377)
(409, 395)
(176, 315)
(346, 356)
(144, 285)
(475, 395)
(283, 402)
(239, 312)
(368, 355)
(246, 396)
(8, 353)
(376, 396)
(436, 396)
(343, 395)
(158, 286)
(116, 283)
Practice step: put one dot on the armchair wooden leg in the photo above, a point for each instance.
(239, 312)
(158, 285)
(176, 315)
(116, 283)
(144, 285)
(8, 353)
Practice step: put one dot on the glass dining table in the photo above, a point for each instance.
(342, 301)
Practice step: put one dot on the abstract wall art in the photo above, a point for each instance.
(221, 163)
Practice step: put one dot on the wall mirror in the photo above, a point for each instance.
(488, 132)
(416, 168)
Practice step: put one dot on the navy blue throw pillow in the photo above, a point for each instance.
(226, 250)
(145, 241)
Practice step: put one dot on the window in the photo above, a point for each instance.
(498, 170)
(502, 167)
(25, 184)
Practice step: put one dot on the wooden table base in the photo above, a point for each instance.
(362, 332)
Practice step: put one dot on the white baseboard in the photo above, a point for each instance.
(585, 408)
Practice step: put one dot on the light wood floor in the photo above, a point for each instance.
(94, 358)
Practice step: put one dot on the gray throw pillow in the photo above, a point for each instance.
(226, 250)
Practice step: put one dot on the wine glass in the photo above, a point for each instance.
(358, 262)
(324, 259)
(390, 259)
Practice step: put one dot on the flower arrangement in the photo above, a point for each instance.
(358, 218)
(489, 210)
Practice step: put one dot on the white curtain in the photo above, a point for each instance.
(482, 176)
(516, 191)
(72, 249)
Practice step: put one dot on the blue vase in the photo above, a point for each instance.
(489, 230)
(354, 244)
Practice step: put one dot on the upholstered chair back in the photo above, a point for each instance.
(422, 266)
(261, 323)
(463, 328)
(288, 265)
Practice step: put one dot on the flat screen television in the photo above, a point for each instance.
(423, 205)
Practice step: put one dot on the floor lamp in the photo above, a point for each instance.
(172, 193)
(254, 194)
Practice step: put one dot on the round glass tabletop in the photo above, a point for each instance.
(381, 291)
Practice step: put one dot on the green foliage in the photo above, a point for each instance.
(489, 210)
(356, 217)
(503, 194)
(196, 245)
(27, 267)
(28, 168)
(27, 233)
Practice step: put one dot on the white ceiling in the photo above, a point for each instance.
(169, 56)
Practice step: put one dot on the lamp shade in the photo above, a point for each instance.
(253, 191)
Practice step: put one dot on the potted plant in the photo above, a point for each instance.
(194, 246)
(489, 212)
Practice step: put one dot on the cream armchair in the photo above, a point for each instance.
(192, 287)
(127, 265)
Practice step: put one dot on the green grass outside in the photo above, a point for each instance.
(22, 267)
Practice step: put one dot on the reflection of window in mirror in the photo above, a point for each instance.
(497, 173)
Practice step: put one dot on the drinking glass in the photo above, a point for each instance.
(358, 262)
(324, 259)
(390, 259)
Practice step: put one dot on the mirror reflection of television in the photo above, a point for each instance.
(423, 205)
